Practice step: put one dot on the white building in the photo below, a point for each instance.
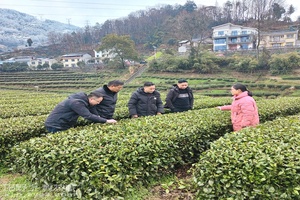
(184, 46)
(71, 60)
(34, 62)
(279, 38)
(233, 37)
(101, 55)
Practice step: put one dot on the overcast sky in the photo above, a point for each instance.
(83, 12)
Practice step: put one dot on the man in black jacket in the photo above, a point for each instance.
(180, 97)
(145, 101)
(66, 113)
(110, 91)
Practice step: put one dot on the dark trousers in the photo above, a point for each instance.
(52, 130)
(180, 109)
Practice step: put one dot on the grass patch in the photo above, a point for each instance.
(178, 185)
(16, 186)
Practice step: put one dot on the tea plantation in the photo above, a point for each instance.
(105, 161)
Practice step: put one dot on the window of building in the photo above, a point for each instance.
(276, 45)
(73, 60)
(290, 36)
(220, 41)
(276, 38)
(220, 32)
(234, 32)
(33, 63)
(244, 32)
(289, 44)
(66, 60)
(244, 46)
(220, 48)
(244, 39)
(233, 40)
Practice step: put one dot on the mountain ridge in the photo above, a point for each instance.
(16, 27)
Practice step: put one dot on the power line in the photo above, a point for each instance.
(81, 2)
(110, 4)
(69, 7)
(93, 3)
(52, 7)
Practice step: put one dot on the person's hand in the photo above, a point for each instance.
(111, 121)
(219, 107)
(134, 116)
(158, 113)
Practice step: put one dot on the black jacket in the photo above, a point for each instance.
(145, 104)
(66, 113)
(173, 95)
(107, 106)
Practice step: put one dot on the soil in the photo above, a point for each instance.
(173, 192)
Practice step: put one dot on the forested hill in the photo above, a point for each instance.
(165, 25)
(168, 24)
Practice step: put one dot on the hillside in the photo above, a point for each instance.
(17, 27)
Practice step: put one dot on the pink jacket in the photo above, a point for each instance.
(244, 111)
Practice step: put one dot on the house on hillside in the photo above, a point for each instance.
(233, 37)
(18, 59)
(279, 38)
(34, 62)
(101, 55)
(71, 60)
(184, 46)
(21, 59)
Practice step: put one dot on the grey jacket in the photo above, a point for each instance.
(66, 113)
(145, 104)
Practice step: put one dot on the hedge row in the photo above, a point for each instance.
(95, 162)
(255, 163)
(50, 82)
(23, 127)
(15, 130)
(107, 160)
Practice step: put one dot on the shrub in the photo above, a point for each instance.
(255, 163)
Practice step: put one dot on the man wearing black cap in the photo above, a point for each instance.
(180, 97)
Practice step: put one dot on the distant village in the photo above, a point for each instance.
(225, 37)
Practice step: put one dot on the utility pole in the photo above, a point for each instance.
(69, 21)
(87, 23)
(41, 17)
(154, 47)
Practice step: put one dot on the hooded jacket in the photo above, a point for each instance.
(107, 106)
(244, 111)
(145, 104)
(173, 95)
(66, 113)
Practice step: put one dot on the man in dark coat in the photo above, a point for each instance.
(145, 101)
(180, 98)
(66, 113)
(110, 91)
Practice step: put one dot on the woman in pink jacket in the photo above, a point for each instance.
(244, 111)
